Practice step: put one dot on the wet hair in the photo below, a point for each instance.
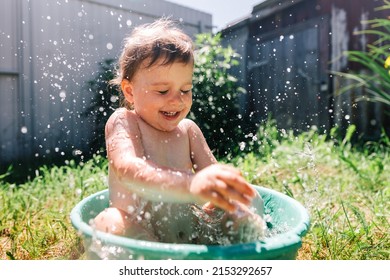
(161, 41)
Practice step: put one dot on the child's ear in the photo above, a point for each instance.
(127, 89)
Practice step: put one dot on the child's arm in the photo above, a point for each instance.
(220, 184)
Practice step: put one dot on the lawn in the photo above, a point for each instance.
(345, 187)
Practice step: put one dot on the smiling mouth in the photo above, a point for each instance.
(170, 114)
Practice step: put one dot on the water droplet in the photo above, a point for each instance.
(130, 209)
(113, 98)
(147, 216)
(62, 95)
(77, 152)
(23, 130)
(109, 46)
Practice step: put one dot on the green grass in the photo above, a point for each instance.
(34, 216)
(346, 189)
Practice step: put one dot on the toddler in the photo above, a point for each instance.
(163, 179)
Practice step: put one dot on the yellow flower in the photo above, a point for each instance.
(387, 62)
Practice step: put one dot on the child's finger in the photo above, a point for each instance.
(229, 193)
(218, 200)
(238, 183)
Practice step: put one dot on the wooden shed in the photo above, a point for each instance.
(288, 49)
(48, 51)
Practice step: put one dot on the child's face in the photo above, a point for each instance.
(161, 94)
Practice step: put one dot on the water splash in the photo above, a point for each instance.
(311, 193)
(97, 249)
(220, 228)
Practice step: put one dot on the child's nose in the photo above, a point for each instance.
(177, 97)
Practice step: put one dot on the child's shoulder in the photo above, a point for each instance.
(188, 124)
(123, 117)
(122, 113)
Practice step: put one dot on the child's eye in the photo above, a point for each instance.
(186, 91)
(163, 92)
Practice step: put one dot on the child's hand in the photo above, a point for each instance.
(221, 185)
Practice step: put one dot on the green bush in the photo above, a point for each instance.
(103, 104)
(215, 104)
